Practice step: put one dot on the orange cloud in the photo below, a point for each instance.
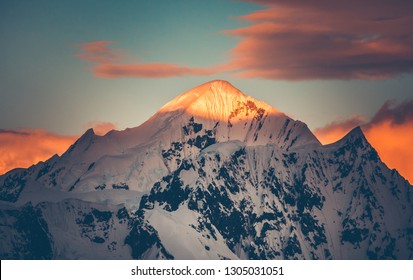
(334, 131)
(394, 143)
(390, 132)
(25, 147)
(325, 39)
(108, 64)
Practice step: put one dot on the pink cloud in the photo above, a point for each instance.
(108, 64)
(99, 52)
(324, 39)
(294, 40)
(148, 70)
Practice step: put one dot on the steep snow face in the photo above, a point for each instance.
(69, 229)
(332, 202)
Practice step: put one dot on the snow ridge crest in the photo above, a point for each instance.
(215, 100)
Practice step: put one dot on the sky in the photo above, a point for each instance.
(70, 65)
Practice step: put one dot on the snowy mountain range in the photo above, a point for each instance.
(214, 174)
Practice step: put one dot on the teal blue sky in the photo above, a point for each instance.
(43, 85)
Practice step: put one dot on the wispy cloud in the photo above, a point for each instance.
(15, 132)
(325, 39)
(294, 40)
(338, 128)
(107, 63)
(395, 114)
(99, 52)
(22, 148)
(148, 70)
(390, 131)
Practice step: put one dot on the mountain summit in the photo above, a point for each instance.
(215, 100)
(207, 92)
(214, 174)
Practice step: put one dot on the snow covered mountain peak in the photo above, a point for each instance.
(216, 100)
(354, 137)
(355, 133)
(210, 89)
(219, 111)
(215, 174)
